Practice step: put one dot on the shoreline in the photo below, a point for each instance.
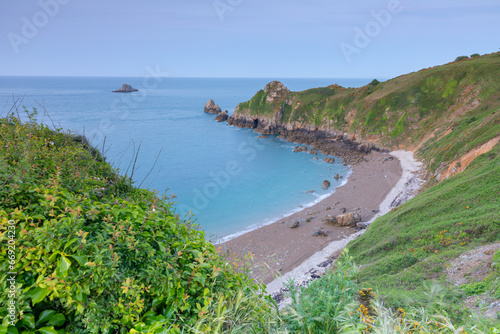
(270, 221)
(403, 190)
(278, 249)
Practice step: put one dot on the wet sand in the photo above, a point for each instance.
(278, 249)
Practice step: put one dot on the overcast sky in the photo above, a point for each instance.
(242, 38)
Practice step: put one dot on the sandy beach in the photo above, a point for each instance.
(278, 249)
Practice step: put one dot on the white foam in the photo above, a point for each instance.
(275, 219)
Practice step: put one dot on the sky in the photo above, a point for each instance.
(242, 38)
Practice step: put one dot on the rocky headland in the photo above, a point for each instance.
(265, 114)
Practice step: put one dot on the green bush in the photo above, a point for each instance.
(460, 58)
(321, 307)
(93, 254)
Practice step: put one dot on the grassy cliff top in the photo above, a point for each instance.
(440, 112)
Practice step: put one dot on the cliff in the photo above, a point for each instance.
(441, 113)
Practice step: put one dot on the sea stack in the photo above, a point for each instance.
(126, 89)
(222, 117)
(212, 108)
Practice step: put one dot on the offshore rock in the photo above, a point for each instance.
(126, 89)
(222, 117)
(326, 184)
(212, 108)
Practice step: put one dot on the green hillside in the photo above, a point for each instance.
(442, 112)
(95, 254)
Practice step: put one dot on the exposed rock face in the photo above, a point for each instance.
(326, 184)
(212, 108)
(222, 117)
(270, 121)
(329, 160)
(276, 92)
(349, 219)
(126, 89)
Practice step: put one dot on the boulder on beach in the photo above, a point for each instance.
(212, 108)
(319, 233)
(222, 117)
(361, 226)
(295, 224)
(349, 219)
(330, 220)
(329, 160)
(326, 184)
(125, 89)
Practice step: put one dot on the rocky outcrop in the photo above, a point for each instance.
(326, 184)
(313, 152)
(212, 108)
(126, 89)
(270, 121)
(222, 117)
(329, 160)
(349, 219)
(300, 149)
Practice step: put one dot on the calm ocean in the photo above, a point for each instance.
(231, 180)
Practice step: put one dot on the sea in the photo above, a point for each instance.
(223, 178)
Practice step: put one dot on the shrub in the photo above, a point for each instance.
(93, 254)
(460, 58)
(321, 306)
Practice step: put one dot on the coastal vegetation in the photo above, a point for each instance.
(95, 254)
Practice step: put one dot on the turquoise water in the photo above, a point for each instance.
(231, 180)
